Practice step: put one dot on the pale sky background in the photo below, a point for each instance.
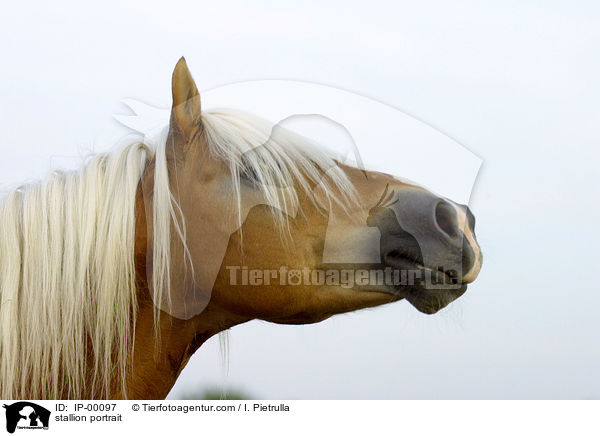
(517, 83)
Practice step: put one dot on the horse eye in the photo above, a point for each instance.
(270, 172)
(248, 174)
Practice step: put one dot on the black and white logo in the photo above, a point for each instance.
(26, 415)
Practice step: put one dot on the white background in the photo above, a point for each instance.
(516, 82)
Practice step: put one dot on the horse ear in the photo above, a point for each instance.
(185, 114)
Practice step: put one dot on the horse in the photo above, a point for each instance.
(114, 274)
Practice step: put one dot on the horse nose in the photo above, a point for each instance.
(423, 229)
(446, 219)
(448, 222)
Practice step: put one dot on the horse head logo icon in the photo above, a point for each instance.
(28, 415)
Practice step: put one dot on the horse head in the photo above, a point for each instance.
(262, 213)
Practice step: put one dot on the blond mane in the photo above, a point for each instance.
(67, 272)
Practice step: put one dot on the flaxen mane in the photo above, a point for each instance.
(67, 273)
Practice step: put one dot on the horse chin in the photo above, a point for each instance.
(430, 301)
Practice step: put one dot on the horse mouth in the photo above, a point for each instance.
(426, 296)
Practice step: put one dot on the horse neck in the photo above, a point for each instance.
(159, 357)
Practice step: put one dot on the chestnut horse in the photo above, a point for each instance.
(112, 276)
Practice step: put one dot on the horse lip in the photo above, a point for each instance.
(425, 268)
(413, 263)
(428, 301)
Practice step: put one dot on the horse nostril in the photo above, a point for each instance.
(446, 219)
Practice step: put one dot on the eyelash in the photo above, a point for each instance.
(249, 176)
